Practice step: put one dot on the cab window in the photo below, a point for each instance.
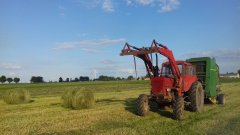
(180, 68)
(166, 70)
(190, 70)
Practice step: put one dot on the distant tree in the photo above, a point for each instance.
(16, 80)
(9, 80)
(3, 79)
(130, 77)
(106, 78)
(118, 78)
(239, 71)
(60, 79)
(33, 78)
(37, 79)
(76, 79)
(67, 80)
(84, 78)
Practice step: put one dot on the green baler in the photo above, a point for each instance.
(208, 72)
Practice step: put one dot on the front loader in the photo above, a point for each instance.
(174, 84)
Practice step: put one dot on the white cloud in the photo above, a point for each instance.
(107, 6)
(129, 2)
(13, 74)
(219, 53)
(82, 35)
(168, 5)
(67, 45)
(88, 3)
(163, 5)
(144, 2)
(62, 14)
(10, 66)
(60, 7)
(61, 10)
(90, 45)
(109, 62)
(88, 50)
(227, 59)
(119, 68)
(127, 70)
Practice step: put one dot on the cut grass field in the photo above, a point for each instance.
(114, 112)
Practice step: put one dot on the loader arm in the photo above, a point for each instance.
(143, 52)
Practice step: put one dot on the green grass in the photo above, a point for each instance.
(113, 113)
(229, 80)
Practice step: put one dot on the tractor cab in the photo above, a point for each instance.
(164, 80)
(184, 68)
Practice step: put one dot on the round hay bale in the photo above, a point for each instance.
(16, 96)
(67, 98)
(88, 98)
(78, 99)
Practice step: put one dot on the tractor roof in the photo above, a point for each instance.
(178, 62)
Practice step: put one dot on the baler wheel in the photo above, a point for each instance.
(221, 99)
(142, 105)
(196, 96)
(178, 108)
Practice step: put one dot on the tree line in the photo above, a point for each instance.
(40, 79)
(111, 78)
(3, 79)
(76, 79)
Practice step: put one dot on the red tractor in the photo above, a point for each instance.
(174, 84)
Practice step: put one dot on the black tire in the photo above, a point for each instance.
(221, 99)
(178, 108)
(153, 105)
(142, 105)
(196, 97)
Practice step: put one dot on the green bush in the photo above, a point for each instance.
(78, 99)
(16, 96)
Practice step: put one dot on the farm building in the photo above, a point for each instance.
(230, 75)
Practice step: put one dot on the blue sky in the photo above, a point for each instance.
(72, 38)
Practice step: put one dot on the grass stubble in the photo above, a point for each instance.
(114, 113)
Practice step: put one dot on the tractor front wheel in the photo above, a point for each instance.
(221, 99)
(196, 96)
(142, 105)
(178, 107)
(154, 106)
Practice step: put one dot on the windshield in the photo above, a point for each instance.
(166, 70)
(187, 69)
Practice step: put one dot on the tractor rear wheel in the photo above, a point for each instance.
(196, 96)
(221, 99)
(178, 107)
(142, 105)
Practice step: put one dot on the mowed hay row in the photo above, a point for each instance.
(16, 96)
(78, 99)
